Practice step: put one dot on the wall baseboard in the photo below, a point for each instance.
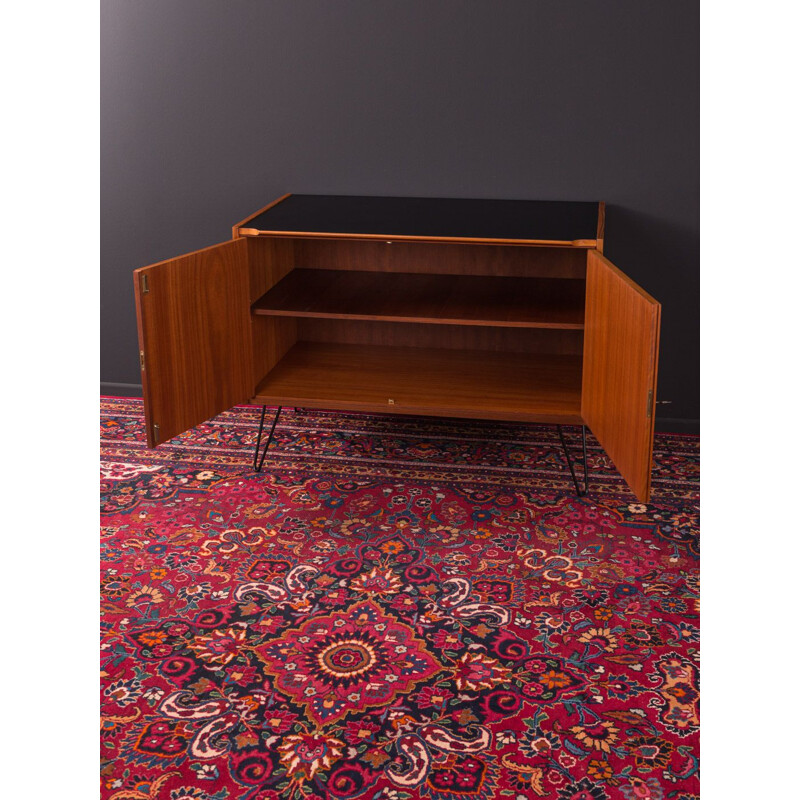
(674, 425)
(663, 424)
(120, 389)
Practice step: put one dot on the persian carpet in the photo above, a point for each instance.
(394, 608)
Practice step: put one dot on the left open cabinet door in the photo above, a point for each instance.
(195, 341)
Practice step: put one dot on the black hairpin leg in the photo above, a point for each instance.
(571, 467)
(257, 464)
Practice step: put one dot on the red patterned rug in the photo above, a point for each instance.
(394, 608)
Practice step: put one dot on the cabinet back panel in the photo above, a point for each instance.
(269, 260)
(451, 337)
(459, 259)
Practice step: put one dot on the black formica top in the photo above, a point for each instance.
(430, 217)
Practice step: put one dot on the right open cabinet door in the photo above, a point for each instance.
(620, 359)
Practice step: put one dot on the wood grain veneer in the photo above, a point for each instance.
(462, 383)
(436, 299)
(455, 259)
(194, 330)
(272, 338)
(552, 341)
(619, 370)
(270, 261)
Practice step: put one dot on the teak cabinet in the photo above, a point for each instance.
(490, 309)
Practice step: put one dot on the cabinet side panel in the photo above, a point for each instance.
(270, 259)
(619, 369)
(194, 331)
(273, 337)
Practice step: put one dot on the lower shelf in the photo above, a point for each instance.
(437, 382)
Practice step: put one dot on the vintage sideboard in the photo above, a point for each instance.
(490, 309)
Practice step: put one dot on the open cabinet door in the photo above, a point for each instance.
(620, 358)
(195, 344)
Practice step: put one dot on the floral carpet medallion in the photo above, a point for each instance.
(346, 662)
(394, 608)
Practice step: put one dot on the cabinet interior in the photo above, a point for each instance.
(418, 327)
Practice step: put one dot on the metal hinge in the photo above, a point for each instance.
(145, 284)
(156, 432)
(141, 359)
(650, 404)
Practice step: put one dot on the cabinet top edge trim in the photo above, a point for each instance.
(579, 244)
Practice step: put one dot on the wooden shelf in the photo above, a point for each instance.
(412, 380)
(430, 298)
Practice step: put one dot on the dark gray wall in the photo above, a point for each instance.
(212, 108)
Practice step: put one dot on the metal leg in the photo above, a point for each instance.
(569, 462)
(258, 464)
